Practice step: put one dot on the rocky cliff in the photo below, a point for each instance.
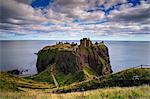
(72, 62)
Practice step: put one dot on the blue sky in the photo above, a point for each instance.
(74, 19)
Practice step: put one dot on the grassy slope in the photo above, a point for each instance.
(89, 72)
(143, 73)
(12, 83)
(8, 86)
(140, 92)
(62, 79)
(45, 76)
(69, 78)
(112, 80)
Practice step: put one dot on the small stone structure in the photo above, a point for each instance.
(85, 42)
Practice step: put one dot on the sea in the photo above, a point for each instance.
(20, 55)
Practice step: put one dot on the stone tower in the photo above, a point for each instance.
(85, 42)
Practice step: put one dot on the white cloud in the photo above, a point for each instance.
(14, 12)
(76, 9)
(132, 14)
(20, 19)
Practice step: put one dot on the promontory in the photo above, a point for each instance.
(66, 63)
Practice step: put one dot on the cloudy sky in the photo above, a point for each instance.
(74, 19)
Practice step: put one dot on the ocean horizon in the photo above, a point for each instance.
(19, 54)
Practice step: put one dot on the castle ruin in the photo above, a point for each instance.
(85, 42)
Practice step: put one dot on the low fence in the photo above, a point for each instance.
(132, 67)
(142, 66)
(136, 77)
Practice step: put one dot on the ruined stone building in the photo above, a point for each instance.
(85, 42)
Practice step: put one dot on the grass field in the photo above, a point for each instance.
(140, 92)
(14, 87)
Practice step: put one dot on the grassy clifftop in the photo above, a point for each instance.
(130, 74)
(73, 63)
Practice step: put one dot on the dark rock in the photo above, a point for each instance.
(14, 72)
(17, 72)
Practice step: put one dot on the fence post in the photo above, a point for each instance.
(141, 66)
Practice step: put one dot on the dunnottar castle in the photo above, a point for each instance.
(85, 42)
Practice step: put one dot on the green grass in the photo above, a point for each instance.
(123, 78)
(102, 46)
(111, 80)
(13, 87)
(7, 86)
(102, 61)
(74, 82)
(62, 79)
(12, 83)
(89, 72)
(140, 92)
(69, 78)
(44, 76)
(143, 73)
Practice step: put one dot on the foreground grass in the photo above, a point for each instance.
(140, 92)
(12, 83)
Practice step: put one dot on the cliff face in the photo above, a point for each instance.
(68, 59)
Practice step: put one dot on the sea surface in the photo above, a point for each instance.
(123, 54)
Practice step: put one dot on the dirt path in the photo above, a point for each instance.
(52, 74)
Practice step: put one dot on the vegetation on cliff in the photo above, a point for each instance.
(68, 67)
(9, 82)
(72, 63)
(15, 87)
(124, 78)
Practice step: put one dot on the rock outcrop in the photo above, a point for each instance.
(70, 59)
(17, 72)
